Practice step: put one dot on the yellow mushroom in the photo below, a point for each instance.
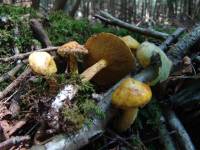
(109, 59)
(42, 63)
(70, 50)
(129, 96)
(131, 43)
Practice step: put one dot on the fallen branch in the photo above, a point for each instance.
(164, 135)
(83, 136)
(15, 83)
(24, 55)
(10, 74)
(13, 141)
(106, 17)
(182, 135)
(183, 46)
(39, 33)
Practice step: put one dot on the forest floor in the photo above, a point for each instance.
(22, 110)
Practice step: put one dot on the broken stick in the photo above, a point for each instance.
(15, 83)
(106, 17)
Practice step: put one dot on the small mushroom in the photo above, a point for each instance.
(70, 50)
(42, 63)
(132, 43)
(109, 59)
(129, 96)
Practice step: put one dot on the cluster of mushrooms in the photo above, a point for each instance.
(107, 59)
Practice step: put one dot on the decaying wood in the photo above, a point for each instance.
(15, 83)
(109, 19)
(13, 141)
(39, 33)
(182, 135)
(83, 136)
(24, 55)
(183, 46)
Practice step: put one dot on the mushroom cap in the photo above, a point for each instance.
(117, 54)
(42, 63)
(71, 48)
(131, 93)
(131, 42)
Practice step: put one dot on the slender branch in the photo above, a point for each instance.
(164, 135)
(24, 55)
(39, 33)
(11, 73)
(15, 83)
(171, 39)
(114, 21)
(182, 135)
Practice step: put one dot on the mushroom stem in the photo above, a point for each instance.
(90, 72)
(127, 119)
(53, 84)
(73, 66)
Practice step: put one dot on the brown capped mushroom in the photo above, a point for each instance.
(42, 63)
(70, 50)
(129, 96)
(109, 59)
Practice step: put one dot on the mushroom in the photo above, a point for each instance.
(150, 54)
(109, 59)
(131, 43)
(42, 63)
(70, 50)
(129, 96)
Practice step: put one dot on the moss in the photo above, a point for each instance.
(72, 118)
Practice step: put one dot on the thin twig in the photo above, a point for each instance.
(15, 83)
(24, 55)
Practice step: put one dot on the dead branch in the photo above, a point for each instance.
(165, 137)
(171, 38)
(24, 55)
(183, 46)
(15, 83)
(13, 141)
(182, 135)
(109, 19)
(10, 74)
(39, 33)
